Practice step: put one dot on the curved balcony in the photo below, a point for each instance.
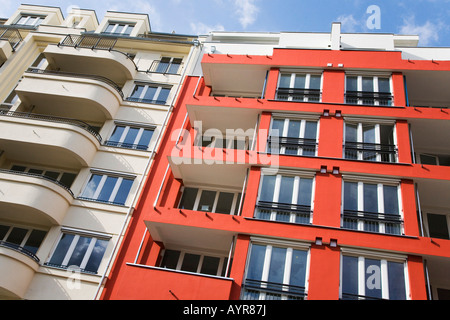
(85, 97)
(47, 140)
(20, 269)
(91, 54)
(22, 195)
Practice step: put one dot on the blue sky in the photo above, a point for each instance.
(430, 19)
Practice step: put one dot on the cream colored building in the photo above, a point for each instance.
(83, 106)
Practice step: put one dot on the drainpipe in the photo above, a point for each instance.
(146, 171)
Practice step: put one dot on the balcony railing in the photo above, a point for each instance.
(256, 289)
(369, 98)
(299, 95)
(283, 212)
(20, 249)
(159, 66)
(372, 220)
(78, 75)
(350, 296)
(370, 151)
(143, 100)
(10, 34)
(291, 146)
(33, 116)
(126, 145)
(40, 176)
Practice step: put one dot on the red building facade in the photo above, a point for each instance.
(312, 193)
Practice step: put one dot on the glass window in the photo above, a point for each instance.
(30, 20)
(168, 65)
(18, 237)
(209, 200)
(150, 93)
(299, 87)
(225, 202)
(130, 137)
(188, 198)
(368, 90)
(104, 188)
(190, 262)
(119, 28)
(170, 259)
(437, 225)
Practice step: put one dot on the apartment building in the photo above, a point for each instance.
(298, 166)
(84, 104)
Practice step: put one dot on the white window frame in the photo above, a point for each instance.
(384, 258)
(303, 119)
(375, 85)
(28, 18)
(380, 199)
(360, 134)
(101, 184)
(234, 206)
(297, 177)
(77, 234)
(116, 24)
(169, 64)
(25, 238)
(146, 86)
(307, 74)
(290, 246)
(138, 136)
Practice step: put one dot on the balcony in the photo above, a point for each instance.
(368, 98)
(372, 221)
(31, 209)
(370, 152)
(284, 212)
(80, 96)
(10, 38)
(20, 269)
(53, 141)
(91, 54)
(263, 290)
(298, 95)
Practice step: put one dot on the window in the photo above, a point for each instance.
(226, 202)
(150, 93)
(299, 87)
(437, 160)
(119, 28)
(286, 198)
(371, 206)
(368, 90)
(370, 142)
(132, 137)
(64, 178)
(275, 272)
(230, 141)
(166, 65)
(30, 20)
(372, 278)
(293, 136)
(438, 226)
(195, 262)
(79, 250)
(22, 239)
(112, 189)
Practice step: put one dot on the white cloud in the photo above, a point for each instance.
(246, 11)
(201, 28)
(349, 23)
(428, 32)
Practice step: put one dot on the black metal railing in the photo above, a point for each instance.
(143, 100)
(370, 151)
(371, 220)
(78, 75)
(20, 249)
(351, 296)
(368, 98)
(283, 211)
(70, 268)
(252, 290)
(159, 66)
(117, 144)
(295, 94)
(34, 116)
(40, 176)
(101, 201)
(12, 35)
(291, 146)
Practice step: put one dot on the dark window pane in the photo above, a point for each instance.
(96, 255)
(92, 185)
(349, 275)
(107, 189)
(210, 265)
(267, 188)
(314, 82)
(34, 240)
(145, 139)
(188, 199)
(51, 175)
(390, 199)
(190, 262)
(3, 231)
(170, 259)
(396, 276)
(286, 190)
(298, 268)
(437, 224)
(352, 84)
(373, 278)
(370, 198)
(225, 202)
(206, 200)
(285, 81)
(305, 192)
(61, 250)
(131, 136)
(67, 179)
(300, 80)
(350, 196)
(277, 261)
(18, 168)
(79, 252)
(117, 134)
(124, 190)
(17, 235)
(256, 263)
(383, 85)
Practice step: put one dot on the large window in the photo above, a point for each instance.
(299, 87)
(286, 198)
(368, 90)
(371, 277)
(119, 28)
(372, 206)
(30, 20)
(108, 188)
(83, 251)
(130, 136)
(23, 239)
(150, 93)
(196, 262)
(276, 272)
(293, 136)
(218, 201)
(64, 178)
(168, 65)
(370, 142)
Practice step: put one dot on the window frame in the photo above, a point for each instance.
(159, 87)
(359, 88)
(384, 258)
(447, 220)
(297, 175)
(25, 239)
(73, 245)
(127, 126)
(234, 207)
(293, 75)
(61, 173)
(116, 24)
(169, 65)
(104, 175)
(380, 183)
(27, 16)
